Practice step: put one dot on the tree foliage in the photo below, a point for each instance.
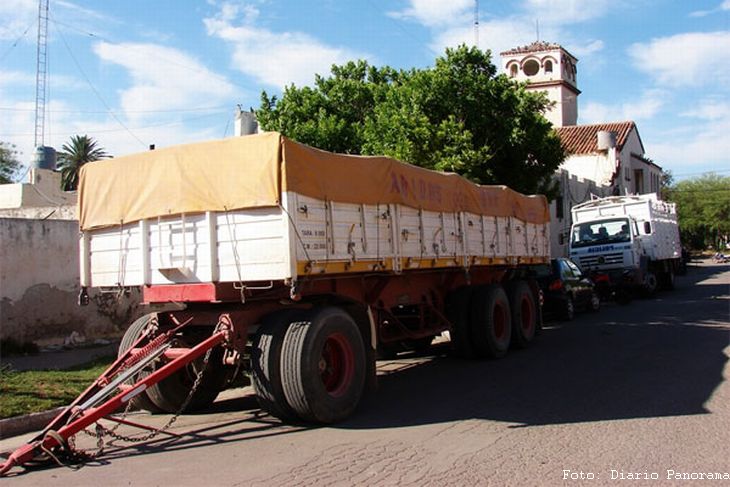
(9, 163)
(703, 207)
(73, 155)
(458, 116)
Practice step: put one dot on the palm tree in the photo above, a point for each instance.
(80, 150)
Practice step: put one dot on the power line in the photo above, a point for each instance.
(124, 128)
(15, 43)
(93, 88)
(172, 110)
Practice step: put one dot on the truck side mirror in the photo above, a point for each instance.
(647, 228)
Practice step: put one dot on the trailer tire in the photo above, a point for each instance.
(458, 309)
(323, 366)
(524, 313)
(266, 363)
(491, 328)
(134, 331)
(170, 393)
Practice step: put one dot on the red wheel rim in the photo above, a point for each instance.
(499, 321)
(527, 315)
(337, 364)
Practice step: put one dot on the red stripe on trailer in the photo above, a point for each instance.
(198, 292)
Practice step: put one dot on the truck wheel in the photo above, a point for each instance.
(667, 281)
(491, 328)
(170, 393)
(458, 309)
(524, 313)
(266, 363)
(323, 366)
(650, 284)
(141, 400)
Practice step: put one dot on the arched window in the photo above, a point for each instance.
(531, 67)
(513, 70)
(548, 66)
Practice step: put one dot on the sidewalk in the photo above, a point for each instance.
(60, 359)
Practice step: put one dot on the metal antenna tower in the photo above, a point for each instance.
(40, 76)
(476, 23)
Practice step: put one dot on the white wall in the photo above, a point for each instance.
(39, 286)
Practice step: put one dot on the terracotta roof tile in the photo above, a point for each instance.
(537, 46)
(582, 139)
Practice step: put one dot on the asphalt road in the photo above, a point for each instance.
(638, 389)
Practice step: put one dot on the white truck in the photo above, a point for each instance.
(627, 240)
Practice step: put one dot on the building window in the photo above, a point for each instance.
(548, 66)
(531, 67)
(513, 70)
(639, 181)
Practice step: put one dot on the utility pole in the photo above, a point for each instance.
(40, 77)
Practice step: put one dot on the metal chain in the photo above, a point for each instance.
(102, 431)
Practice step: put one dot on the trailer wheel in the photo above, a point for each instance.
(266, 363)
(491, 328)
(524, 314)
(458, 309)
(323, 366)
(141, 400)
(170, 393)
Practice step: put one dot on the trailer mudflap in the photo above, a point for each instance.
(108, 393)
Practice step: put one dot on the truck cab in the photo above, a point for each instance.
(627, 241)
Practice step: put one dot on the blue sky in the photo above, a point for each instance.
(140, 72)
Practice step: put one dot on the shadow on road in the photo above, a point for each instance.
(659, 357)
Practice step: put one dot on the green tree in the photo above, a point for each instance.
(457, 116)
(703, 207)
(9, 163)
(73, 155)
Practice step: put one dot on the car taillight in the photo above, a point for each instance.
(556, 285)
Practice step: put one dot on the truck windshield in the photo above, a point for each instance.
(600, 232)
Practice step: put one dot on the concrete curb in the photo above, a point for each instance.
(19, 425)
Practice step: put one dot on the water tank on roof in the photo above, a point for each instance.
(44, 157)
(245, 123)
(606, 140)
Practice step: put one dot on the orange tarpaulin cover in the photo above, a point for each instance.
(252, 171)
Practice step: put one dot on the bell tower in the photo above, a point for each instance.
(549, 68)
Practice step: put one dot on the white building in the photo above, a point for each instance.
(603, 159)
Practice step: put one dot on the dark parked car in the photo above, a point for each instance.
(566, 289)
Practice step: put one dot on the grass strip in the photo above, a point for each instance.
(34, 391)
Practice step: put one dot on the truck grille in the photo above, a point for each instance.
(587, 261)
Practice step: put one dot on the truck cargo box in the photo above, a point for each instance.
(264, 208)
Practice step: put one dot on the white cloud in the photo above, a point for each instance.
(644, 108)
(434, 13)
(163, 78)
(700, 148)
(559, 12)
(274, 58)
(586, 49)
(724, 6)
(691, 59)
(709, 109)
(15, 78)
(18, 16)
